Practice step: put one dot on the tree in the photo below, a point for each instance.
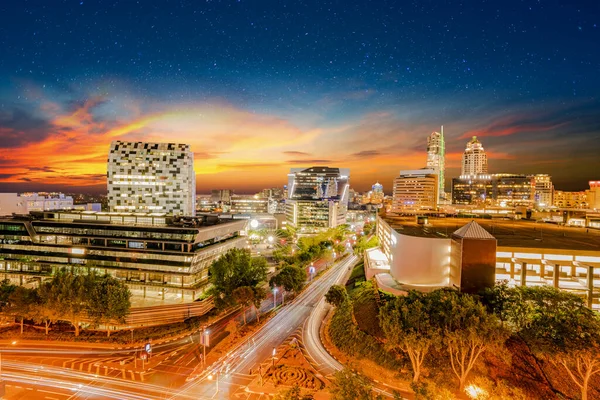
(108, 300)
(259, 295)
(468, 330)
(336, 295)
(69, 294)
(362, 244)
(290, 277)
(46, 311)
(244, 296)
(349, 386)
(561, 329)
(21, 303)
(294, 393)
(410, 326)
(233, 329)
(234, 269)
(6, 289)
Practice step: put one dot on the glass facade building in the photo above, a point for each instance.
(146, 250)
(317, 198)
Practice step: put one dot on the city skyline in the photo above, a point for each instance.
(255, 95)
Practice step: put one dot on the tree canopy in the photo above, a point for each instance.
(290, 277)
(336, 295)
(234, 269)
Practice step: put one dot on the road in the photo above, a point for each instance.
(234, 368)
(34, 371)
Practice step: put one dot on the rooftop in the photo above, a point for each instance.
(509, 233)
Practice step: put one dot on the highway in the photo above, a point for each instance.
(235, 367)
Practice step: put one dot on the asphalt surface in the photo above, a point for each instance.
(34, 371)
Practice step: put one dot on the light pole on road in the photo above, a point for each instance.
(275, 290)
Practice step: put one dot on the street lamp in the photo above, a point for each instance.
(274, 352)
(275, 290)
(270, 239)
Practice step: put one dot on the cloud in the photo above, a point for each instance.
(296, 153)
(367, 154)
(19, 127)
(312, 162)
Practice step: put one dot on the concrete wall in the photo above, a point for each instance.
(419, 260)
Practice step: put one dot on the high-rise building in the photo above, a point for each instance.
(376, 194)
(151, 177)
(543, 191)
(415, 190)
(317, 197)
(436, 151)
(474, 159)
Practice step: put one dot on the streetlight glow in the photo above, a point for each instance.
(475, 392)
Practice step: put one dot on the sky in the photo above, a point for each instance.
(258, 87)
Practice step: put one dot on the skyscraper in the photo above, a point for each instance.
(436, 151)
(474, 160)
(317, 197)
(151, 177)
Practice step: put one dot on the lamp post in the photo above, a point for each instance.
(311, 271)
(274, 352)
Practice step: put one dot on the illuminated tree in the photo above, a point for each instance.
(409, 325)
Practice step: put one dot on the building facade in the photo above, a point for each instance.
(436, 153)
(495, 190)
(474, 159)
(415, 191)
(14, 203)
(563, 199)
(543, 196)
(249, 204)
(151, 177)
(317, 198)
(151, 252)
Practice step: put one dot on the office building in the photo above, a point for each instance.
(474, 159)
(221, 196)
(436, 152)
(249, 204)
(563, 199)
(505, 190)
(317, 198)
(274, 193)
(543, 191)
(14, 203)
(154, 253)
(151, 177)
(415, 191)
